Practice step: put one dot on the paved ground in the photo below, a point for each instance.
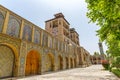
(94, 72)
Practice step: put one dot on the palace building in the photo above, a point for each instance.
(26, 49)
(59, 28)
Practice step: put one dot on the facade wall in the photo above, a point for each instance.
(35, 51)
(96, 59)
(14, 45)
(74, 36)
(85, 58)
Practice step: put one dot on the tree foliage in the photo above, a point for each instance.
(116, 62)
(106, 14)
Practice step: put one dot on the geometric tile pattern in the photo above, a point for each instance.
(6, 61)
(48, 63)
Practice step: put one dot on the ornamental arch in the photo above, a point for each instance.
(9, 61)
(75, 62)
(67, 62)
(71, 63)
(60, 62)
(33, 63)
(13, 27)
(50, 63)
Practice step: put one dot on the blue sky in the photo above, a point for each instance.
(38, 11)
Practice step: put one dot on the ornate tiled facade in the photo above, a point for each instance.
(26, 49)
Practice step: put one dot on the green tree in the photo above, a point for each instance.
(106, 14)
(116, 62)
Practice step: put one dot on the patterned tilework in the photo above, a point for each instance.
(13, 27)
(6, 61)
(27, 32)
(1, 21)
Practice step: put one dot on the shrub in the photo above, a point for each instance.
(116, 62)
(117, 65)
(116, 72)
(105, 64)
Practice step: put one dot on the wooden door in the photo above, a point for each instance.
(32, 63)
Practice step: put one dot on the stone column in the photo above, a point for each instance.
(21, 30)
(23, 54)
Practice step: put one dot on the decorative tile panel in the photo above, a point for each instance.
(13, 28)
(37, 35)
(27, 32)
(6, 61)
(1, 21)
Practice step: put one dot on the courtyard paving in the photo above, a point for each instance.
(94, 72)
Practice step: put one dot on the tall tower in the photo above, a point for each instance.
(101, 50)
(59, 27)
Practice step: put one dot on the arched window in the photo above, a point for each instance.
(1, 21)
(13, 27)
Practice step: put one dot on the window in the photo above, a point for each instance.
(50, 25)
(59, 22)
(55, 23)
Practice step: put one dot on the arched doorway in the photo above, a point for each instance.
(80, 59)
(60, 63)
(71, 62)
(7, 60)
(99, 60)
(95, 60)
(91, 59)
(67, 63)
(32, 63)
(75, 63)
(49, 62)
